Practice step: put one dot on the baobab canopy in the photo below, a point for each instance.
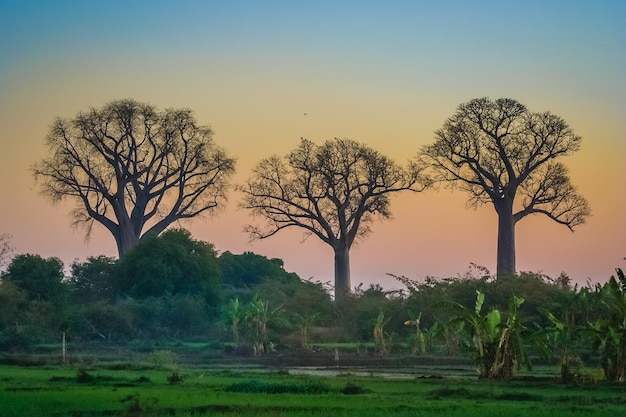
(499, 152)
(134, 169)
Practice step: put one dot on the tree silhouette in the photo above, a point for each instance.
(332, 191)
(5, 249)
(131, 167)
(497, 151)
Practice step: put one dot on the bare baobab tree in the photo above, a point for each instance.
(332, 191)
(134, 169)
(501, 153)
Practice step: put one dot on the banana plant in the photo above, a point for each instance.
(511, 354)
(304, 322)
(498, 346)
(419, 341)
(564, 333)
(258, 315)
(232, 315)
(381, 341)
(610, 328)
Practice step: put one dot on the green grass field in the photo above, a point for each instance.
(58, 391)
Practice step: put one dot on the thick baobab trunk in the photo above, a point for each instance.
(506, 240)
(126, 239)
(342, 271)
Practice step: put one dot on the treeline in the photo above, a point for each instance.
(173, 287)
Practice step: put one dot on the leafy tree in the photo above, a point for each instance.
(12, 305)
(501, 153)
(40, 279)
(11, 302)
(248, 270)
(40, 297)
(134, 169)
(172, 263)
(332, 191)
(93, 279)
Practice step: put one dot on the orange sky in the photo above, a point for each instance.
(385, 75)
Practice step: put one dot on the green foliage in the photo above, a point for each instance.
(12, 300)
(305, 305)
(258, 315)
(565, 334)
(33, 301)
(359, 312)
(93, 279)
(304, 323)
(232, 314)
(105, 322)
(40, 279)
(381, 339)
(172, 263)
(610, 327)
(498, 346)
(248, 270)
(417, 341)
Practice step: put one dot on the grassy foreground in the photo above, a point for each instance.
(56, 391)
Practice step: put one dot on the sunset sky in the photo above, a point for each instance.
(385, 73)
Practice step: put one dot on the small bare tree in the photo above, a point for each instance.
(501, 153)
(332, 191)
(5, 249)
(134, 169)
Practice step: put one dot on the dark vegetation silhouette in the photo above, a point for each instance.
(248, 305)
(501, 153)
(134, 169)
(332, 191)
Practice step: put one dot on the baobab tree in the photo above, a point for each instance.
(332, 191)
(501, 153)
(134, 169)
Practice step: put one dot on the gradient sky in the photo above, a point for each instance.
(385, 73)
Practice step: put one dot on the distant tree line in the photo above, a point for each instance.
(173, 287)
